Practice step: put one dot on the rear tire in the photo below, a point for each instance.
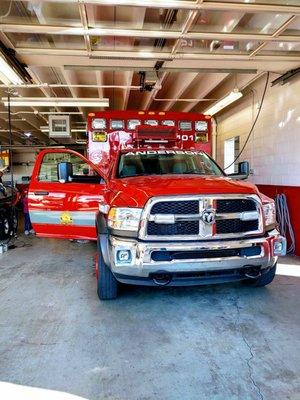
(107, 285)
(15, 218)
(265, 279)
(6, 226)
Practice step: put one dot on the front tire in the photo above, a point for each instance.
(107, 285)
(265, 279)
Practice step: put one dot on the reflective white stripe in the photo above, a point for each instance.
(78, 218)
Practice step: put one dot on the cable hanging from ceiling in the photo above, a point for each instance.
(254, 123)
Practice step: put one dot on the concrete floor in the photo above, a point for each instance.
(218, 342)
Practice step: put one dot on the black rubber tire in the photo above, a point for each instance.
(107, 285)
(15, 217)
(6, 226)
(265, 279)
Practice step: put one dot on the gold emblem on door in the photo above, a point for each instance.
(66, 218)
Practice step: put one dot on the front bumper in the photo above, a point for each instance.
(186, 263)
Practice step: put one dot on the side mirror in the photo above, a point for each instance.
(64, 171)
(244, 168)
(243, 171)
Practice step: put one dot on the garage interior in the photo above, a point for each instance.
(73, 58)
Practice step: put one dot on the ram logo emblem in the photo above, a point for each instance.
(208, 216)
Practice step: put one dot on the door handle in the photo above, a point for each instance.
(41, 193)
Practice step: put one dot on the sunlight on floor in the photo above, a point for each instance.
(20, 392)
(290, 270)
(288, 266)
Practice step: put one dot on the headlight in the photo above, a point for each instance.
(127, 219)
(269, 213)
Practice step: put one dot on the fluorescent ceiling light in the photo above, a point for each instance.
(7, 130)
(55, 102)
(15, 120)
(60, 112)
(228, 47)
(79, 130)
(45, 129)
(230, 98)
(7, 74)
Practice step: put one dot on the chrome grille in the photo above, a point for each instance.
(176, 207)
(182, 217)
(235, 205)
(179, 228)
(235, 226)
(165, 255)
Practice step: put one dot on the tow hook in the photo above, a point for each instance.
(161, 278)
(252, 274)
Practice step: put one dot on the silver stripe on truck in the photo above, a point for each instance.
(77, 218)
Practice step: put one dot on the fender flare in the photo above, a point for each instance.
(103, 237)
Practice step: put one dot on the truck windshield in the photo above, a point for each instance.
(162, 162)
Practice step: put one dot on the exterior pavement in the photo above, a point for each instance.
(219, 342)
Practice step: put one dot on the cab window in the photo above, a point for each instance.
(116, 124)
(154, 162)
(48, 168)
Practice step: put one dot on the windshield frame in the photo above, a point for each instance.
(116, 169)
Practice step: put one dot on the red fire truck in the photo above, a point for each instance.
(161, 210)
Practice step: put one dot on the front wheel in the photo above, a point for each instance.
(107, 285)
(264, 279)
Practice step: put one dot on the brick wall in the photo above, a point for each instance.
(274, 147)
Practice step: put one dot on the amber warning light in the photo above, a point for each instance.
(99, 137)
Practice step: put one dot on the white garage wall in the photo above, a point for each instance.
(25, 162)
(274, 147)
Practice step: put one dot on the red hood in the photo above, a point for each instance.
(136, 191)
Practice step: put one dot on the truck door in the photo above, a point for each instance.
(65, 209)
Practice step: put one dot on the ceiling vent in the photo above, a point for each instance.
(59, 126)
